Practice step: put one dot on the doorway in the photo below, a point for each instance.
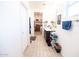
(38, 22)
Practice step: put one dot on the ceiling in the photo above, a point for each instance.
(39, 5)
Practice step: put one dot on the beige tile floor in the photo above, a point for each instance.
(39, 48)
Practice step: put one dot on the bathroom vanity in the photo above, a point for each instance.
(47, 32)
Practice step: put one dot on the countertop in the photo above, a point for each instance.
(49, 28)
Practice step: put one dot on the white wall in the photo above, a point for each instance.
(13, 28)
(24, 19)
(31, 15)
(73, 10)
(69, 40)
(49, 13)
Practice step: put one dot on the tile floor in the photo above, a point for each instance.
(39, 48)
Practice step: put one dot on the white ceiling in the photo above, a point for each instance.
(36, 4)
(39, 5)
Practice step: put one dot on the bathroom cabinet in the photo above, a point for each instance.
(47, 37)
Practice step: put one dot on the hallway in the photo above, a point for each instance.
(58, 22)
(39, 48)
